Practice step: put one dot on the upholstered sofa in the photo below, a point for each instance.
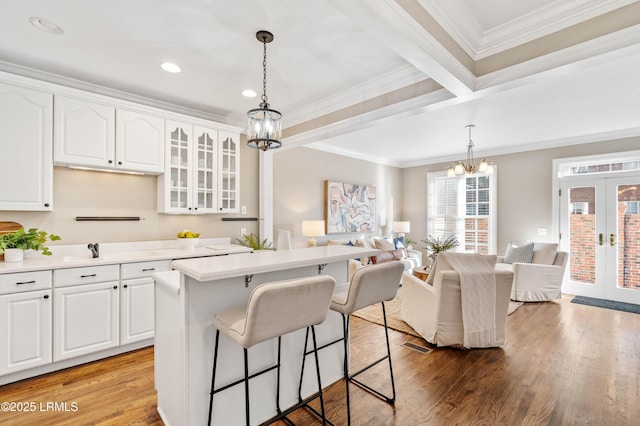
(389, 250)
(538, 278)
(434, 308)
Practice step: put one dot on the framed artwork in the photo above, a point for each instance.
(350, 207)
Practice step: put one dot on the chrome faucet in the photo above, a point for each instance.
(95, 250)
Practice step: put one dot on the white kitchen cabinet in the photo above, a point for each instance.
(25, 330)
(84, 133)
(229, 176)
(190, 181)
(86, 310)
(25, 321)
(202, 170)
(95, 135)
(139, 141)
(26, 168)
(136, 310)
(137, 300)
(85, 319)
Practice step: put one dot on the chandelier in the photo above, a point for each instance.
(470, 166)
(265, 126)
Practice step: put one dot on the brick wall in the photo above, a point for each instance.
(583, 248)
(628, 248)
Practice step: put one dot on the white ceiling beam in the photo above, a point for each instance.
(392, 26)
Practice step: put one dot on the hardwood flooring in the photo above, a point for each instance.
(563, 364)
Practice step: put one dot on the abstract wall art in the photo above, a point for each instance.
(350, 207)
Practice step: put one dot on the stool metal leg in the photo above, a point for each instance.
(213, 375)
(345, 339)
(246, 385)
(315, 352)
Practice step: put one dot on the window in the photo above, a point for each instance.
(580, 207)
(633, 207)
(463, 206)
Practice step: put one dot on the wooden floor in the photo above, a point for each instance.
(563, 364)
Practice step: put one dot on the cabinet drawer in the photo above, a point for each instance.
(24, 281)
(86, 275)
(143, 269)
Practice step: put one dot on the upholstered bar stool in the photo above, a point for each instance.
(274, 309)
(369, 285)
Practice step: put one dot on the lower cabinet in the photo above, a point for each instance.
(25, 330)
(136, 310)
(86, 319)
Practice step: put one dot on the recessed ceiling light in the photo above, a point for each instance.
(170, 67)
(45, 25)
(248, 93)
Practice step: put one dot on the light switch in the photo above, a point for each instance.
(243, 209)
(542, 232)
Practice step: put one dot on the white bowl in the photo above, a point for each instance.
(188, 243)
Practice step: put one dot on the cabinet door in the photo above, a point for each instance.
(229, 173)
(175, 185)
(139, 142)
(205, 170)
(26, 169)
(25, 330)
(136, 310)
(84, 133)
(85, 319)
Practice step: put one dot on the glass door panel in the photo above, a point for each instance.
(582, 223)
(206, 158)
(623, 239)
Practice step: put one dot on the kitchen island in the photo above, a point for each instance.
(187, 300)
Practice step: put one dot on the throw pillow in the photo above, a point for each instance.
(385, 256)
(544, 253)
(339, 242)
(384, 244)
(398, 242)
(520, 254)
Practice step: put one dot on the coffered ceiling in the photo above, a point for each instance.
(393, 81)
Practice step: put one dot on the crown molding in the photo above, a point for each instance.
(593, 52)
(465, 29)
(396, 79)
(42, 78)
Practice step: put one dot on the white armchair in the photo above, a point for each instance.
(435, 310)
(540, 280)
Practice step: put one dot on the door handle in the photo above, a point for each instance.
(612, 240)
(600, 239)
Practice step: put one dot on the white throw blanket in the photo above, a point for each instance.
(478, 294)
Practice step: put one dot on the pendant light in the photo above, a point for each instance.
(265, 125)
(470, 166)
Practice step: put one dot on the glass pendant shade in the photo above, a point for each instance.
(264, 128)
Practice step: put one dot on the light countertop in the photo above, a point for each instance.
(214, 268)
(60, 261)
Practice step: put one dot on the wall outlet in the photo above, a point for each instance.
(243, 232)
(243, 210)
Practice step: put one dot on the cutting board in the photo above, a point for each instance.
(6, 227)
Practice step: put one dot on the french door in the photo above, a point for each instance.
(600, 229)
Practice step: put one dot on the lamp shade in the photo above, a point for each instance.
(401, 227)
(312, 228)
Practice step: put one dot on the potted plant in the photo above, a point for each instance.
(252, 241)
(435, 245)
(13, 244)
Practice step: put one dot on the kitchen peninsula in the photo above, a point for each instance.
(188, 298)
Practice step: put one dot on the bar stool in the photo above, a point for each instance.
(369, 285)
(274, 309)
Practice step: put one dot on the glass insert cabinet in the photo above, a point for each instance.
(202, 170)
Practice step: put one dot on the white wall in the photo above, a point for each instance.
(299, 188)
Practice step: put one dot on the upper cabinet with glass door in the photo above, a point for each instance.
(229, 177)
(194, 181)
